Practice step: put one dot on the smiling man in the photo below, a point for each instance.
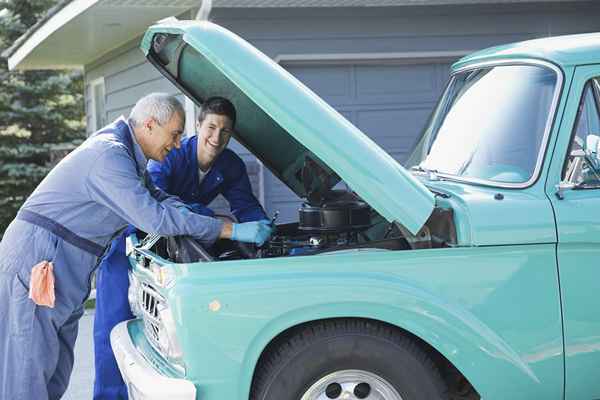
(197, 171)
(70, 218)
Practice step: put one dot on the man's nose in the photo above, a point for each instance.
(178, 142)
(219, 134)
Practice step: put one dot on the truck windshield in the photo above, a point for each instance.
(490, 124)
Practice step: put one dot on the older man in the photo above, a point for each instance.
(83, 203)
(197, 172)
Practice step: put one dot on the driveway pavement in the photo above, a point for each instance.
(81, 386)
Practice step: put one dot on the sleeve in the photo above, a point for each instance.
(201, 209)
(160, 173)
(238, 192)
(115, 184)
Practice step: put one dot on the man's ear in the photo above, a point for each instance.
(149, 124)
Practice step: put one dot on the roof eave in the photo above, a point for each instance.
(78, 32)
(58, 16)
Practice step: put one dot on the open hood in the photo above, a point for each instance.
(299, 137)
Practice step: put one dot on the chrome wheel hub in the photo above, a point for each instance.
(351, 384)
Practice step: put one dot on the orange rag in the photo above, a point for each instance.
(41, 285)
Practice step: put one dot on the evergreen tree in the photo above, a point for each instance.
(39, 110)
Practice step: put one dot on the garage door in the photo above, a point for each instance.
(390, 103)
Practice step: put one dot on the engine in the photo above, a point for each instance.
(336, 224)
(340, 222)
(332, 221)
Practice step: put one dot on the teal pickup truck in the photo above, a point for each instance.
(471, 273)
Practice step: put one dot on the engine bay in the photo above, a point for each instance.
(339, 221)
(331, 218)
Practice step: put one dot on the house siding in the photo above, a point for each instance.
(378, 95)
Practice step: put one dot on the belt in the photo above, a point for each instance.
(61, 231)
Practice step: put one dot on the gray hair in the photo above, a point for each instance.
(160, 106)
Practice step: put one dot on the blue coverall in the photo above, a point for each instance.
(176, 175)
(75, 212)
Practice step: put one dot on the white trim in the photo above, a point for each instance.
(410, 57)
(190, 116)
(55, 22)
(94, 117)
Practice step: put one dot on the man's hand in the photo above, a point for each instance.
(256, 232)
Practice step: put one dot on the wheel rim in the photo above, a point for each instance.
(351, 385)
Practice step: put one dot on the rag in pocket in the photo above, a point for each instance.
(41, 285)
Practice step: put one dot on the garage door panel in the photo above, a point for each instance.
(401, 83)
(401, 123)
(332, 83)
(394, 129)
(369, 84)
(278, 191)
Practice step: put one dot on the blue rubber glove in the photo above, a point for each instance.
(256, 232)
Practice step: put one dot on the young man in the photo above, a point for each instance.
(199, 170)
(84, 202)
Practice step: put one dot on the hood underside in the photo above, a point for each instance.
(299, 137)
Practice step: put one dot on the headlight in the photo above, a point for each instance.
(132, 295)
(167, 337)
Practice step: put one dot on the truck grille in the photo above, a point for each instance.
(151, 303)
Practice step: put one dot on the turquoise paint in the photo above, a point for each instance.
(482, 220)
(474, 305)
(578, 223)
(565, 51)
(492, 305)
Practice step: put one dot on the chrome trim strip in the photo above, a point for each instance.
(549, 123)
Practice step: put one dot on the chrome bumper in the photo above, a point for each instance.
(142, 380)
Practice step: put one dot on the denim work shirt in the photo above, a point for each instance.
(102, 186)
(178, 174)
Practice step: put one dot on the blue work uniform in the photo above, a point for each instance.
(69, 219)
(177, 175)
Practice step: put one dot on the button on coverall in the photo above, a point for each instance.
(90, 196)
(176, 175)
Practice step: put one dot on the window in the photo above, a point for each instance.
(493, 124)
(98, 108)
(583, 163)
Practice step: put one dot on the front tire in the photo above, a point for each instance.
(347, 359)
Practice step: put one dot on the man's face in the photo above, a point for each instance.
(163, 138)
(214, 133)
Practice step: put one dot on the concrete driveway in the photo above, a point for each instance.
(81, 386)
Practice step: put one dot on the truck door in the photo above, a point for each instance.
(573, 187)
